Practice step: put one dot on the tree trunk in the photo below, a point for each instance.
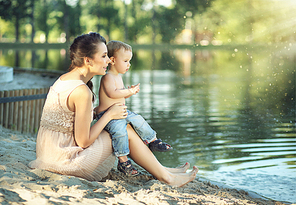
(32, 21)
(46, 25)
(125, 23)
(153, 23)
(193, 28)
(66, 21)
(17, 29)
(135, 19)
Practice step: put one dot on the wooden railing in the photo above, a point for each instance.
(21, 109)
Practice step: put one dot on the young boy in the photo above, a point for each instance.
(112, 91)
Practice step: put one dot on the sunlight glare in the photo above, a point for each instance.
(165, 3)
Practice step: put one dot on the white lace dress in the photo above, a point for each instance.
(56, 149)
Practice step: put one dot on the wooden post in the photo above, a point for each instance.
(16, 111)
(25, 113)
(23, 116)
(32, 113)
(20, 113)
(1, 108)
(6, 110)
(11, 111)
(37, 119)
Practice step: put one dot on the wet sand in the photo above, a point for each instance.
(21, 185)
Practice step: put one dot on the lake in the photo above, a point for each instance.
(230, 112)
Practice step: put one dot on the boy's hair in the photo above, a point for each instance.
(114, 46)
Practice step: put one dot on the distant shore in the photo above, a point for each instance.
(159, 46)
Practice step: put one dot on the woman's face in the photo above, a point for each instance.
(100, 60)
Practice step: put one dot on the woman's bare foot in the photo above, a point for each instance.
(182, 178)
(181, 169)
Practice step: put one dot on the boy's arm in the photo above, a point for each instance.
(136, 89)
(113, 92)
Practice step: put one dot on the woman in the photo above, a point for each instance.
(66, 143)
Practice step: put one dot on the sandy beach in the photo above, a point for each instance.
(21, 185)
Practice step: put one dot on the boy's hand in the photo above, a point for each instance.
(134, 88)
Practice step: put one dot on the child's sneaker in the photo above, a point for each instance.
(158, 145)
(127, 168)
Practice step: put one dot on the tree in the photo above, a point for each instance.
(32, 19)
(75, 27)
(107, 15)
(140, 20)
(169, 23)
(68, 18)
(42, 13)
(6, 9)
(15, 11)
(195, 7)
(64, 23)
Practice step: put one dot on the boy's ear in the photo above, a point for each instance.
(112, 60)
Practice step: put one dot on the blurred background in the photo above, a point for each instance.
(217, 77)
(193, 22)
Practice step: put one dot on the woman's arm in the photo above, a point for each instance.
(85, 135)
(116, 111)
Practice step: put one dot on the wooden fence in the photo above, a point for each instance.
(21, 109)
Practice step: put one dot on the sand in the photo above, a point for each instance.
(25, 80)
(21, 185)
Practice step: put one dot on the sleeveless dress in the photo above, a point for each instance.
(56, 149)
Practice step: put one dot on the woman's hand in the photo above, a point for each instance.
(118, 111)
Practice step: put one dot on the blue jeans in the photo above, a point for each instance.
(117, 129)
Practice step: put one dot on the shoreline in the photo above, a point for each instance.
(27, 80)
(21, 185)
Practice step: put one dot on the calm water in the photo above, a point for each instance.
(229, 112)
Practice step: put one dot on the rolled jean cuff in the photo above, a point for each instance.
(117, 154)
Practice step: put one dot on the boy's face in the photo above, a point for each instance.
(121, 60)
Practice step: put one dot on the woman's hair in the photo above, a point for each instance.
(85, 45)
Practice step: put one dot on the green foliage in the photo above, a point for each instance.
(74, 25)
(16, 11)
(169, 23)
(42, 10)
(6, 28)
(19, 9)
(243, 22)
(6, 9)
(107, 15)
(195, 6)
(140, 21)
(138, 27)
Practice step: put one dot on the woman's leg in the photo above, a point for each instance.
(142, 155)
(180, 169)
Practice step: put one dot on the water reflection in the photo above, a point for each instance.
(54, 59)
(232, 113)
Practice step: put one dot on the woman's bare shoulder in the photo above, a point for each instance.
(82, 91)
